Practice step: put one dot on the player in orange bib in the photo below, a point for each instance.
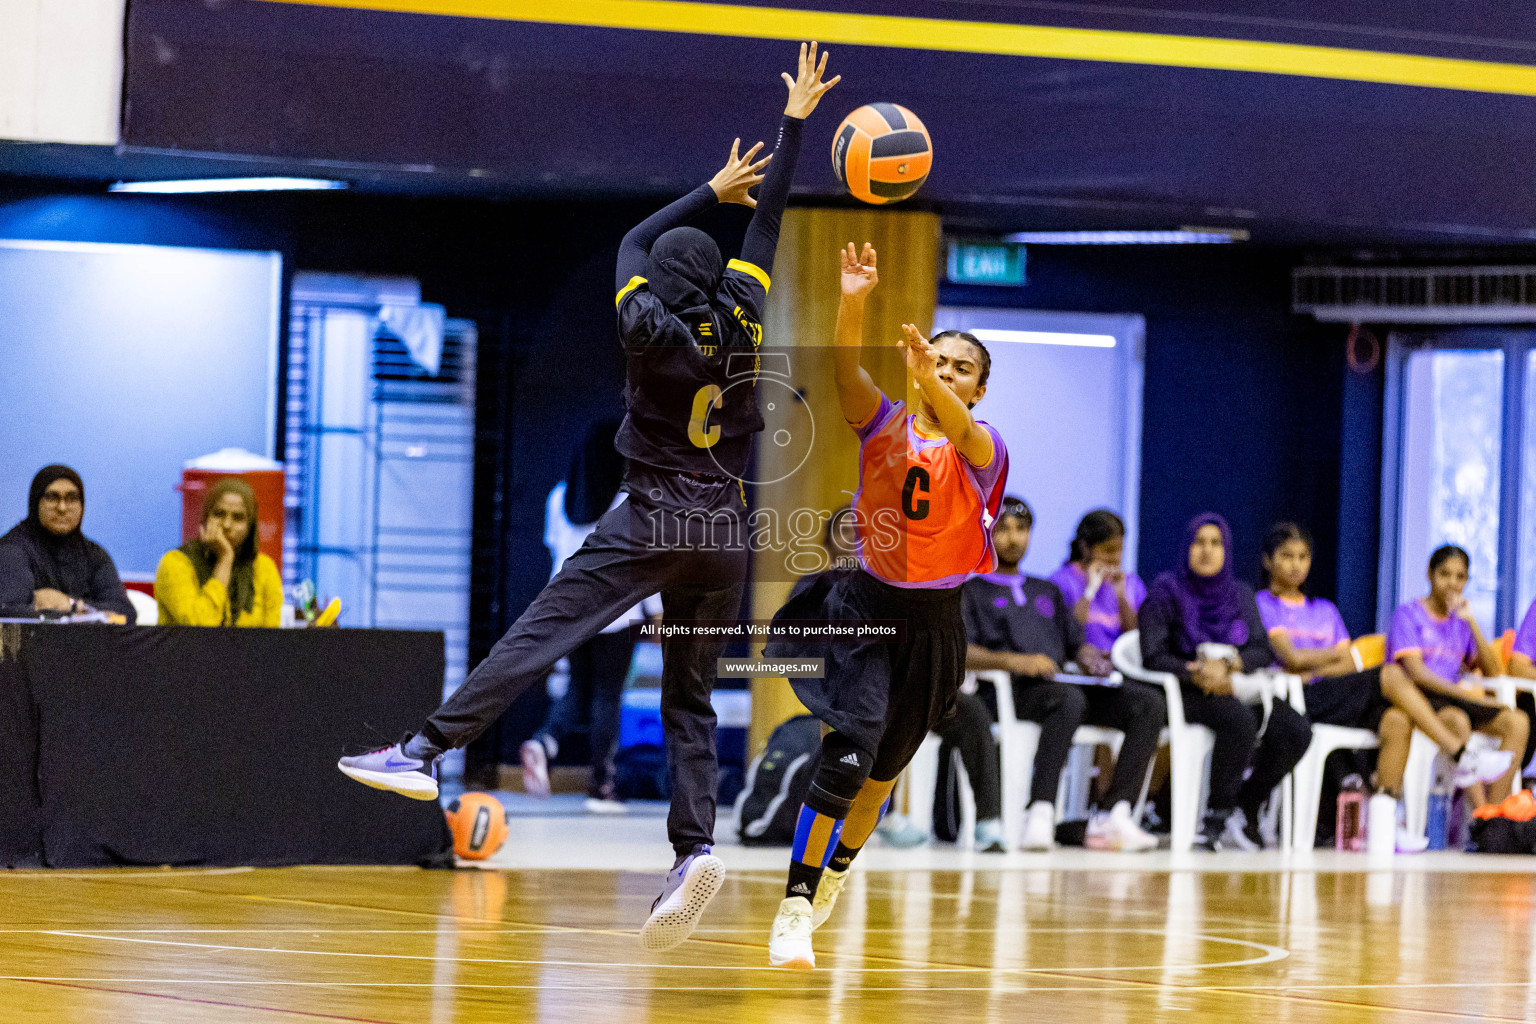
(930, 484)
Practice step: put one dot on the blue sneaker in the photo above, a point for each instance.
(392, 769)
(690, 886)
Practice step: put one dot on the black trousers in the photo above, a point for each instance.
(1136, 709)
(1238, 745)
(593, 699)
(679, 534)
(968, 729)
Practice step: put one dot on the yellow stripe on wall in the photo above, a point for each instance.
(985, 37)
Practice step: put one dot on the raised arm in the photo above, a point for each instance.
(729, 185)
(856, 392)
(805, 91)
(972, 442)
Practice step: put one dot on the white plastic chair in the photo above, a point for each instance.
(1018, 742)
(921, 779)
(146, 608)
(1307, 776)
(1189, 744)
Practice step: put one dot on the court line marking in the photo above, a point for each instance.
(1000, 38)
(112, 874)
(763, 988)
(1269, 954)
(215, 1002)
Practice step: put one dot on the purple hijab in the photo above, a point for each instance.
(1210, 607)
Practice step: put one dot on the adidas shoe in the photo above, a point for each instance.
(827, 892)
(390, 768)
(535, 768)
(690, 886)
(1482, 766)
(789, 943)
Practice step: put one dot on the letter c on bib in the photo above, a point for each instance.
(706, 396)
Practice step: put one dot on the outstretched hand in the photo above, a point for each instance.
(806, 89)
(922, 357)
(739, 174)
(859, 275)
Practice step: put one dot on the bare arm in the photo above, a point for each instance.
(972, 442)
(857, 395)
(1487, 657)
(1428, 681)
(1304, 661)
(982, 659)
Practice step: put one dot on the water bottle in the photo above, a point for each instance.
(1439, 819)
(1381, 826)
(1349, 831)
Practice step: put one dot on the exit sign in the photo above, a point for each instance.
(999, 263)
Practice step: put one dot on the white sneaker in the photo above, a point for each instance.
(1118, 830)
(689, 888)
(535, 769)
(1039, 826)
(1406, 841)
(789, 944)
(1237, 836)
(1482, 766)
(597, 805)
(827, 892)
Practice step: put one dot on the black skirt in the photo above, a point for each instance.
(882, 695)
(1355, 701)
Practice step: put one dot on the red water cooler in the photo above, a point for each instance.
(265, 478)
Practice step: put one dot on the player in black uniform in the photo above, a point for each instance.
(691, 326)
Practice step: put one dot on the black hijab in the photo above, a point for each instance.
(242, 578)
(66, 564)
(684, 269)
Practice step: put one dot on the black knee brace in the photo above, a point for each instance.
(839, 776)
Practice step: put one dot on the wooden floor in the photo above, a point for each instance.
(1003, 944)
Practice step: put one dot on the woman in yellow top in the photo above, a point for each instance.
(220, 579)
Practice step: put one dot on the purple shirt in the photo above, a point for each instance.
(1103, 624)
(1525, 637)
(1446, 645)
(1311, 624)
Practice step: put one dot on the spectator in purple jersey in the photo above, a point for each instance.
(1309, 639)
(1436, 640)
(1201, 624)
(1521, 665)
(1103, 596)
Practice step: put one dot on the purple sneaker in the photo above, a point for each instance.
(690, 886)
(392, 769)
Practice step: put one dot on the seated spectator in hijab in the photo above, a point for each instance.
(1104, 597)
(48, 566)
(1024, 626)
(220, 579)
(1202, 625)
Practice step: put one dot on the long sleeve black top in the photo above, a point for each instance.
(1166, 648)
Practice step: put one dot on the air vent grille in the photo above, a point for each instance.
(1433, 295)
